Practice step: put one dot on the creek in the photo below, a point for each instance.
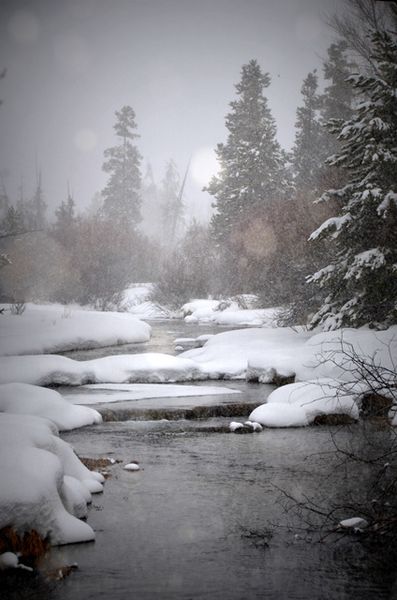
(205, 516)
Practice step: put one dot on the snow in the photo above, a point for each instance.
(228, 313)
(235, 425)
(43, 329)
(141, 391)
(44, 484)
(22, 398)
(335, 223)
(356, 523)
(320, 397)
(329, 379)
(136, 301)
(123, 368)
(132, 467)
(279, 415)
(9, 560)
(250, 353)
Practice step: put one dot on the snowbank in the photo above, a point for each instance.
(298, 404)
(44, 486)
(250, 353)
(124, 368)
(329, 365)
(22, 398)
(136, 301)
(227, 313)
(43, 329)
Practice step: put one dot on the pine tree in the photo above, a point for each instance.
(151, 211)
(252, 164)
(39, 206)
(336, 101)
(307, 148)
(122, 200)
(13, 222)
(171, 205)
(361, 281)
(65, 218)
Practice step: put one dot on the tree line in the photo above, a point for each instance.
(313, 230)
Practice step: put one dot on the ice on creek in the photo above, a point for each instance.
(26, 399)
(43, 329)
(118, 392)
(44, 486)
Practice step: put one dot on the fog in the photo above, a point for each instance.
(71, 65)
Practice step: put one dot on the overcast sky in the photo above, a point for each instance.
(72, 64)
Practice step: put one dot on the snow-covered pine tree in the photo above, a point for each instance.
(361, 281)
(122, 200)
(308, 137)
(252, 164)
(172, 208)
(336, 101)
(252, 183)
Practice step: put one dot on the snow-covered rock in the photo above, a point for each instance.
(22, 398)
(279, 415)
(355, 523)
(235, 425)
(132, 467)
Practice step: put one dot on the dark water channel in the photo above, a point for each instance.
(205, 516)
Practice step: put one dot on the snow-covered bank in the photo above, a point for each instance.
(43, 329)
(25, 399)
(228, 313)
(251, 353)
(44, 486)
(137, 301)
(48, 369)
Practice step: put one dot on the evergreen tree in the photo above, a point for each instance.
(151, 211)
(64, 220)
(13, 222)
(171, 205)
(252, 164)
(361, 281)
(336, 101)
(38, 207)
(307, 148)
(122, 200)
(252, 181)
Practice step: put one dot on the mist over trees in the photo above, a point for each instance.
(312, 230)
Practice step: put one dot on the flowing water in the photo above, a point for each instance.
(205, 516)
